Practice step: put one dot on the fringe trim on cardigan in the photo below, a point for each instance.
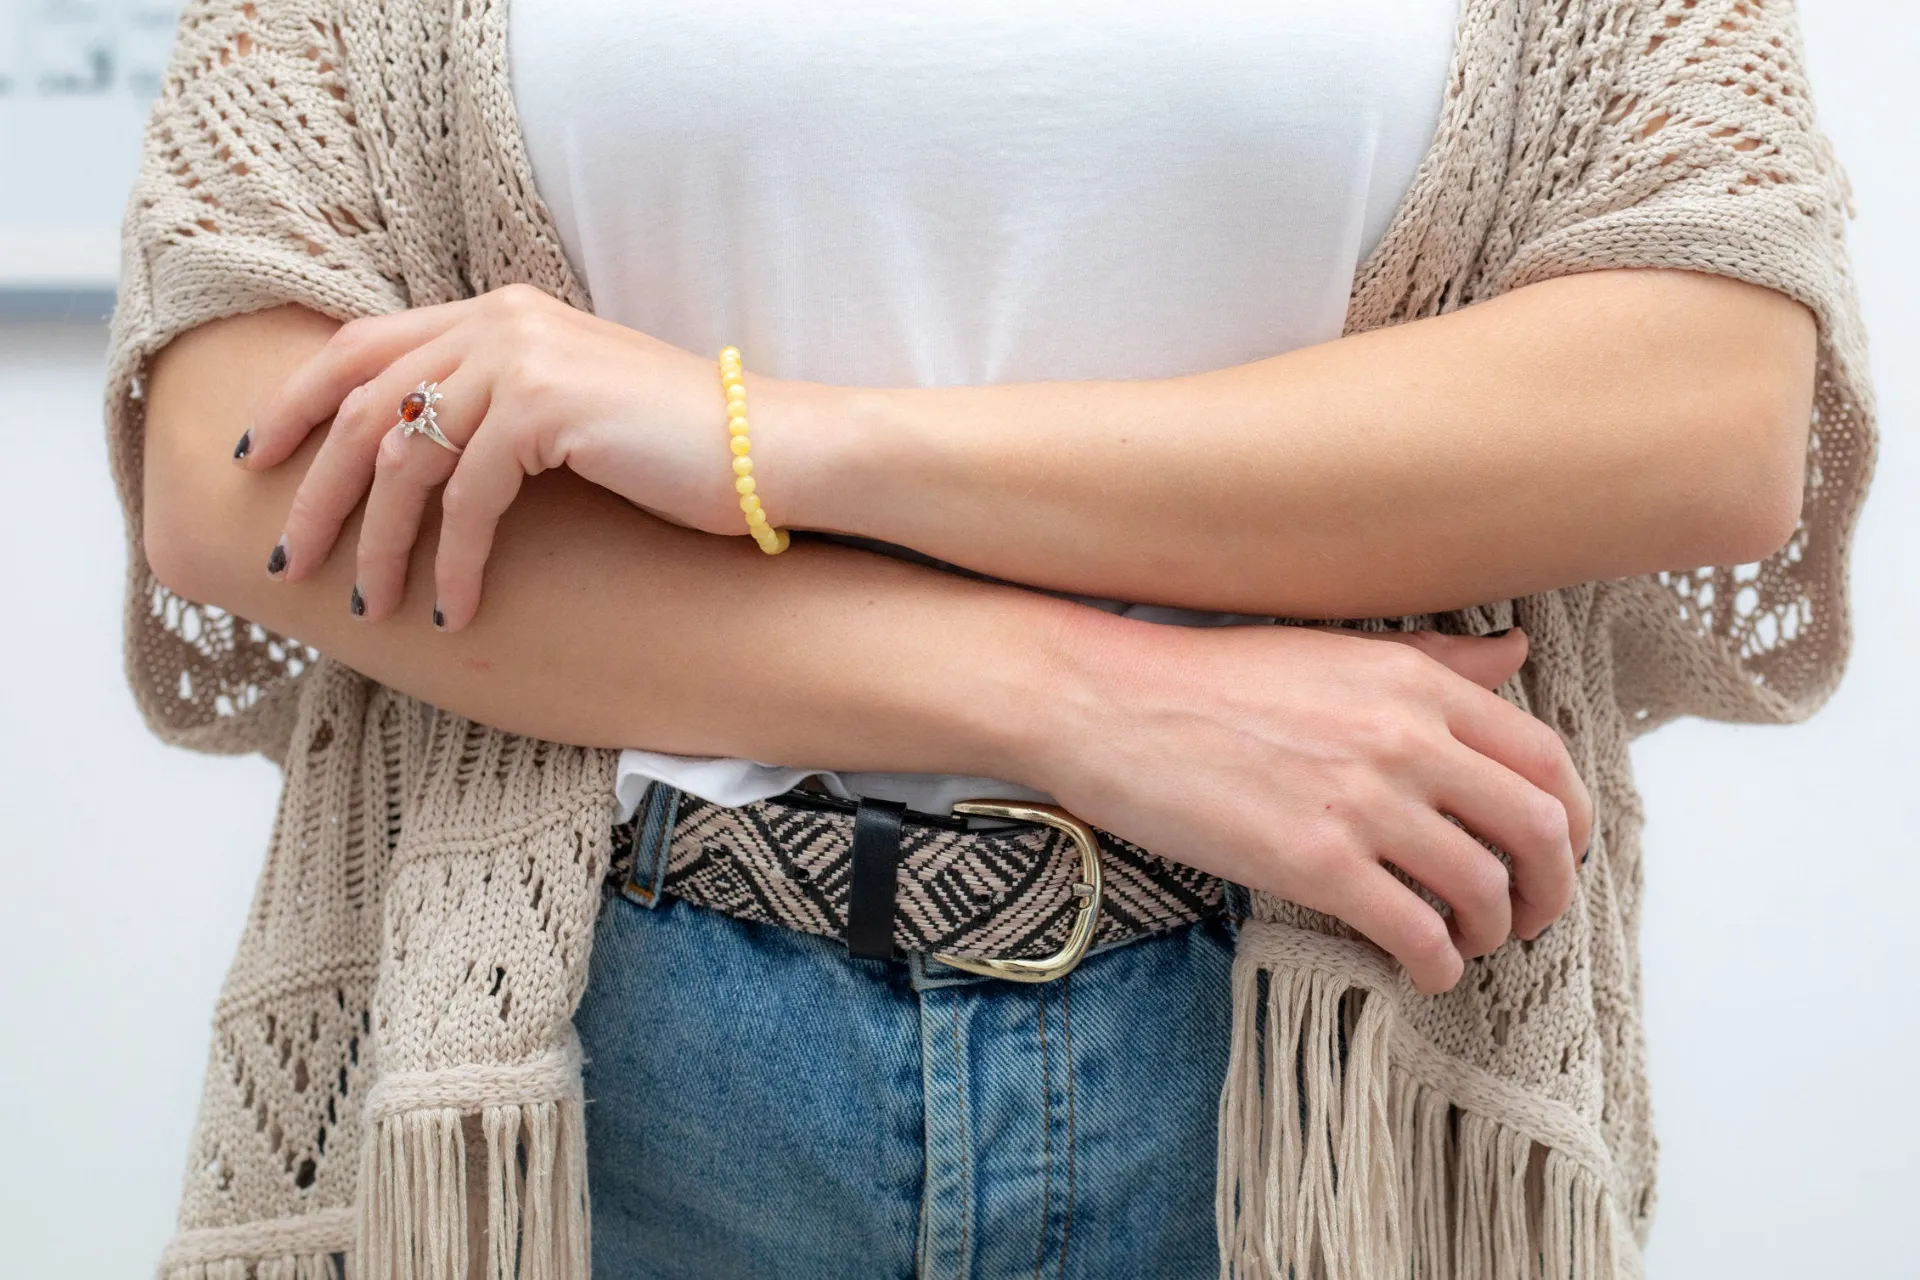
(306, 1248)
(441, 1145)
(1368, 1164)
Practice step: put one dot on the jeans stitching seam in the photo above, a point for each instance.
(1066, 1032)
(1046, 1132)
(966, 1173)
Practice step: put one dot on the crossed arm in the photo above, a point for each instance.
(1591, 426)
(1606, 424)
(1587, 427)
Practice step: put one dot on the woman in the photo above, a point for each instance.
(1010, 311)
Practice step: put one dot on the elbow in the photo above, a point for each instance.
(176, 551)
(1763, 514)
(1758, 412)
(188, 522)
(1767, 468)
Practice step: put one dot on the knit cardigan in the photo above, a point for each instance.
(393, 1076)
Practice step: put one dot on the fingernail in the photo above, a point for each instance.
(277, 561)
(1495, 635)
(245, 446)
(358, 603)
(439, 618)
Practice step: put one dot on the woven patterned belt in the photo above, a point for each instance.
(1012, 901)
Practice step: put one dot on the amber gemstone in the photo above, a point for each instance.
(412, 407)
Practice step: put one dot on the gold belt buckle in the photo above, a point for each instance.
(1086, 889)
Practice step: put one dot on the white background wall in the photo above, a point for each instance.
(1782, 934)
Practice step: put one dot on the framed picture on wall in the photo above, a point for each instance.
(75, 80)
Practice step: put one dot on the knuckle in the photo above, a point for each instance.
(519, 301)
(356, 408)
(1485, 886)
(356, 337)
(1544, 821)
(304, 512)
(393, 454)
(378, 560)
(1549, 752)
(457, 504)
(1390, 736)
(1580, 817)
(528, 378)
(1424, 939)
(1403, 667)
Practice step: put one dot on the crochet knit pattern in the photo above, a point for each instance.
(393, 1076)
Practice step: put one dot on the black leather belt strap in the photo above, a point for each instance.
(874, 882)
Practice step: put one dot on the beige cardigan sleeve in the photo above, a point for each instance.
(1704, 154)
(254, 190)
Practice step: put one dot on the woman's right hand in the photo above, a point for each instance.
(1299, 761)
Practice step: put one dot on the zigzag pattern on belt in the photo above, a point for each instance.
(1006, 892)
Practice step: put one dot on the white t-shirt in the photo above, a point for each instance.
(908, 193)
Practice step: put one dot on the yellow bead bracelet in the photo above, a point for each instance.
(772, 541)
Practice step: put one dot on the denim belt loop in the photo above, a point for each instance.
(1238, 900)
(660, 808)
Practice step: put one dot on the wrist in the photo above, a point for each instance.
(1059, 702)
(828, 455)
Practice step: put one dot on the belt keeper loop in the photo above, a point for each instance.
(652, 840)
(873, 884)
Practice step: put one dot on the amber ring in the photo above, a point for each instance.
(416, 415)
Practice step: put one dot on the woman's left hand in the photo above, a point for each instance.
(528, 384)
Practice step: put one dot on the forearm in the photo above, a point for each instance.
(604, 626)
(1582, 428)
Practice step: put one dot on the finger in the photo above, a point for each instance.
(483, 486)
(1506, 807)
(1531, 827)
(1402, 924)
(355, 354)
(1488, 661)
(342, 469)
(1461, 872)
(407, 468)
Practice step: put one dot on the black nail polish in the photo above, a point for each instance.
(1495, 635)
(439, 618)
(358, 603)
(277, 562)
(1587, 852)
(245, 446)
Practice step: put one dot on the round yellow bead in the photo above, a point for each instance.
(757, 516)
(744, 485)
(740, 445)
(743, 466)
(737, 425)
(776, 544)
(750, 503)
(729, 353)
(736, 394)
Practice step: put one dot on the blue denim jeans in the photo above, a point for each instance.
(761, 1105)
